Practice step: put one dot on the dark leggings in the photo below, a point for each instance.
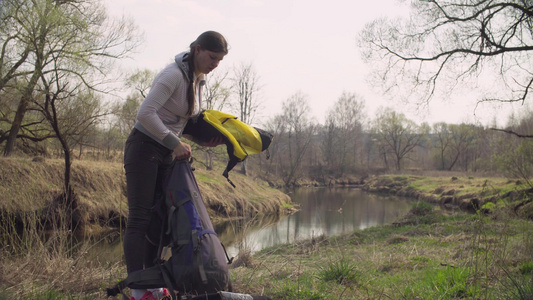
(146, 163)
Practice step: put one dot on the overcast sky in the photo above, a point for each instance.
(294, 45)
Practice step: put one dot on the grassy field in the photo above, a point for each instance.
(432, 253)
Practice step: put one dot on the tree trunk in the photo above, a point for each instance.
(15, 127)
(243, 168)
(70, 200)
(209, 160)
(21, 111)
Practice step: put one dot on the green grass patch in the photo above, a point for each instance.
(207, 178)
(302, 287)
(442, 283)
(526, 268)
(461, 185)
(421, 208)
(342, 271)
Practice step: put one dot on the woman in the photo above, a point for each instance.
(174, 97)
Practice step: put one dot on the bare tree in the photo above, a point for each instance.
(443, 142)
(514, 155)
(246, 88)
(397, 135)
(343, 124)
(68, 201)
(446, 44)
(328, 142)
(76, 35)
(463, 138)
(71, 114)
(216, 92)
(453, 142)
(298, 136)
(126, 113)
(278, 127)
(140, 82)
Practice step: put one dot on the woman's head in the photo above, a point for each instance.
(205, 54)
(212, 41)
(207, 51)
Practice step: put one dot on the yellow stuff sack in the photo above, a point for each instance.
(240, 138)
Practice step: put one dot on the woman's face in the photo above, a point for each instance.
(206, 61)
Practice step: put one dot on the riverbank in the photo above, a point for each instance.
(475, 243)
(430, 254)
(30, 188)
(39, 259)
(436, 251)
(472, 194)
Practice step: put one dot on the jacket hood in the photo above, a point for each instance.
(181, 60)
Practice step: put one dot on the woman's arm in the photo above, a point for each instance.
(165, 84)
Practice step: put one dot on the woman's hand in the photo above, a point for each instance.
(182, 151)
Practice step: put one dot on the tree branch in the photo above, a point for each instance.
(527, 136)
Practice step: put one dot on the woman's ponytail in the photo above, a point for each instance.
(190, 88)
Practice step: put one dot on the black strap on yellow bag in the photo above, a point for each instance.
(240, 138)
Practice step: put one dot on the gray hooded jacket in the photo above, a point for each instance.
(163, 113)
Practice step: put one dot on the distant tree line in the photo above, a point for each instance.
(390, 143)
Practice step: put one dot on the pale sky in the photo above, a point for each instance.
(294, 45)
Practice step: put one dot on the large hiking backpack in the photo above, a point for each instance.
(199, 263)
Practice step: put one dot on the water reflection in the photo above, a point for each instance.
(323, 211)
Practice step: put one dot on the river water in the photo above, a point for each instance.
(322, 211)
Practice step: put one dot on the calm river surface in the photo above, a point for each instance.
(322, 211)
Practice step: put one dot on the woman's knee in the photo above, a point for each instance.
(139, 219)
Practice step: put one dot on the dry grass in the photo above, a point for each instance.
(23, 179)
(38, 265)
(100, 187)
(28, 185)
(45, 270)
(249, 198)
(50, 265)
